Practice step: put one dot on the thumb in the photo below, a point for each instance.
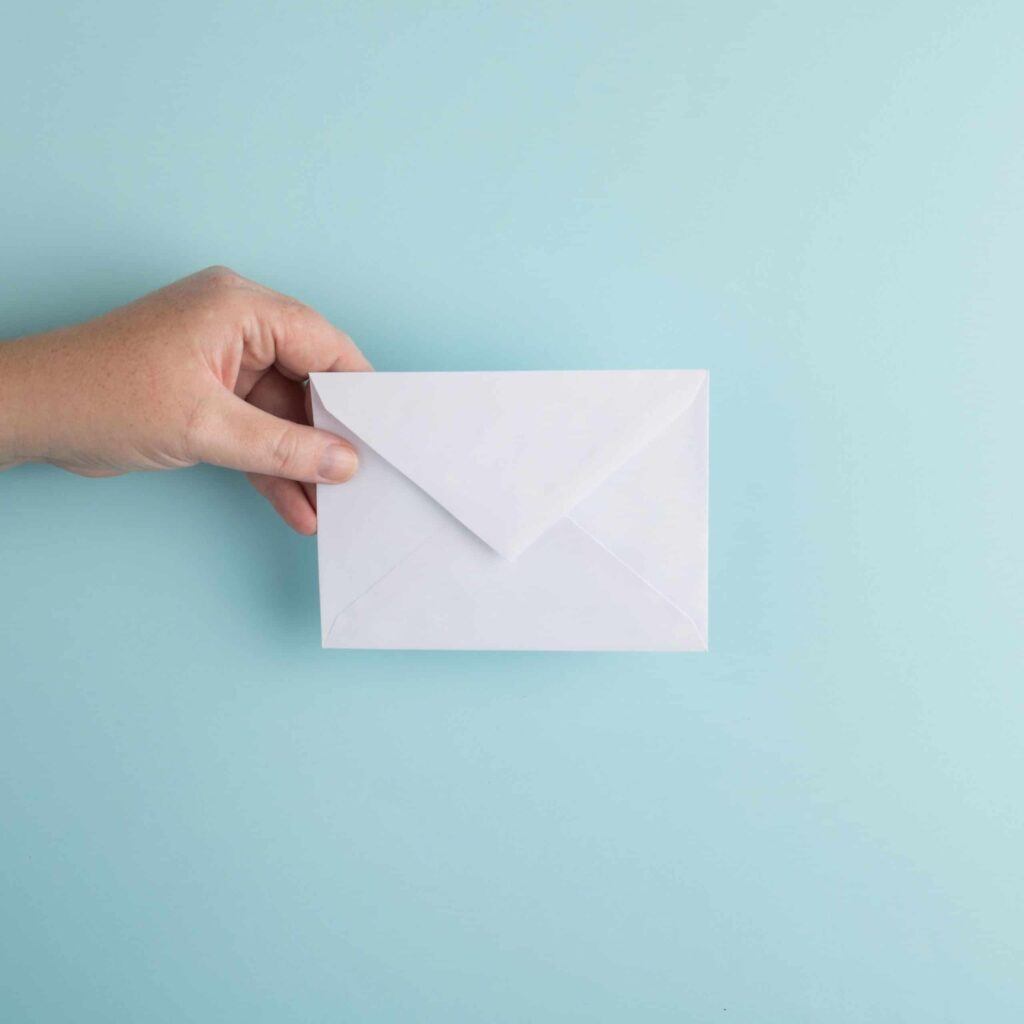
(240, 436)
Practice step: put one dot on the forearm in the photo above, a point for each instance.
(22, 401)
(57, 403)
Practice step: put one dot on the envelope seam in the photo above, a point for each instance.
(594, 485)
(566, 507)
(380, 579)
(650, 586)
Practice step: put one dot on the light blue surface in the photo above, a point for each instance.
(204, 817)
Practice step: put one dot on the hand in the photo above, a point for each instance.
(209, 369)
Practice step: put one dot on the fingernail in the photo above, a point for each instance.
(337, 464)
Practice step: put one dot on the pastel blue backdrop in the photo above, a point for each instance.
(207, 818)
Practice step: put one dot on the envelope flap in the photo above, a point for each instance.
(508, 453)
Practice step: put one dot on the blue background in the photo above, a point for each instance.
(207, 818)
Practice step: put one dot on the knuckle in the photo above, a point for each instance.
(293, 326)
(195, 431)
(220, 278)
(284, 452)
(297, 314)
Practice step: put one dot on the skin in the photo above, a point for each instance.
(209, 369)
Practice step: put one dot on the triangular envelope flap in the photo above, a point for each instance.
(508, 453)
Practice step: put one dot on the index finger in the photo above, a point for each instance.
(298, 341)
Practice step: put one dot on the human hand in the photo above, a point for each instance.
(209, 369)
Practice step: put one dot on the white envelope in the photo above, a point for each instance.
(528, 510)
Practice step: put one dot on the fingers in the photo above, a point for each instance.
(294, 503)
(237, 435)
(298, 341)
(275, 394)
(259, 422)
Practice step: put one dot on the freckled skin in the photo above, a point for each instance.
(210, 369)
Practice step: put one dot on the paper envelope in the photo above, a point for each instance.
(527, 510)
